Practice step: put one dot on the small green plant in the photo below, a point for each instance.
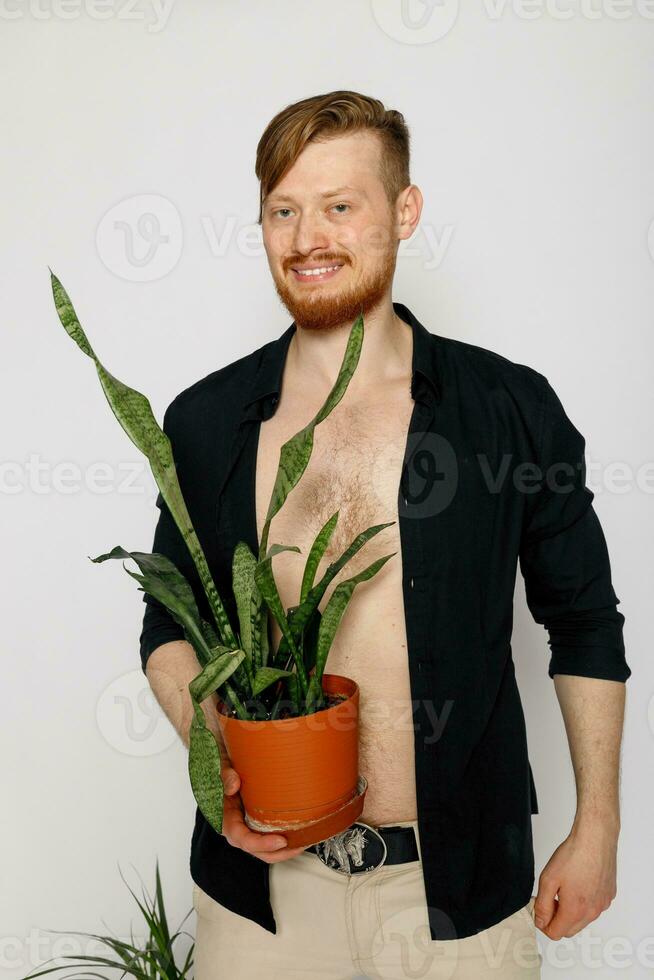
(252, 680)
(155, 960)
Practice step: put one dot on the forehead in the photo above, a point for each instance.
(351, 162)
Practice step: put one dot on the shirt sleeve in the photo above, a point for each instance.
(564, 558)
(158, 624)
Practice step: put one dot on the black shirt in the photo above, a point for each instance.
(493, 476)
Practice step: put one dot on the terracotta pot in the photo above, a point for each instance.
(299, 776)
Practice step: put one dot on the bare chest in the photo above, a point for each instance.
(355, 468)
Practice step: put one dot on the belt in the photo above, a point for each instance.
(361, 848)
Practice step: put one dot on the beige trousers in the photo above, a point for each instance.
(339, 927)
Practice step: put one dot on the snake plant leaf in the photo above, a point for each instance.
(241, 675)
(265, 676)
(211, 638)
(276, 549)
(259, 627)
(314, 698)
(215, 673)
(243, 565)
(310, 641)
(264, 578)
(333, 611)
(294, 689)
(291, 698)
(295, 454)
(317, 592)
(316, 553)
(205, 770)
(308, 607)
(134, 413)
(163, 580)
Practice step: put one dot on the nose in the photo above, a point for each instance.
(310, 233)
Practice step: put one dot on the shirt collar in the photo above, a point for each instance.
(425, 380)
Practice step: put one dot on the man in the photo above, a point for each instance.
(474, 459)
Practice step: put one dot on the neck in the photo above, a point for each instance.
(315, 356)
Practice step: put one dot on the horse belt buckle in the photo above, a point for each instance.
(356, 850)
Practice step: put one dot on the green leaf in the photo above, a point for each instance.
(216, 672)
(310, 641)
(258, 627)
(204, 766)
(295, 453)
(163, 580)
(266, 584)
(134, 413)
(308, 608)
(156, 960)
(211, 638)
(243, 565)
(315, 697)
(333, 611)
(265, 676)
(316, 553)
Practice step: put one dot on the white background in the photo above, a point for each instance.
(533, 146)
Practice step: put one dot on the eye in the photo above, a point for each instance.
(279, 210)
(341, 206)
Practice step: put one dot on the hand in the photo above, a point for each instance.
(270, 848)
(583, 872)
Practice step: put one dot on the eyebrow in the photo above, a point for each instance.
(332, 193)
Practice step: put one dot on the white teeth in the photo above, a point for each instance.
(317, 272)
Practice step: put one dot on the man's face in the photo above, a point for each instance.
(331, 209)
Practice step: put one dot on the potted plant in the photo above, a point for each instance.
(154, 958)
(291, 730)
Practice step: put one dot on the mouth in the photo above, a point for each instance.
(313, 274)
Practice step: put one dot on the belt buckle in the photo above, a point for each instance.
(356, 850)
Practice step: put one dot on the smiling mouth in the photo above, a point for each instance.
(319, 274)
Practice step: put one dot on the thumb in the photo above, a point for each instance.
(545, 905)
(231, 780)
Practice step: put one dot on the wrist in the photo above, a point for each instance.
(597, 821)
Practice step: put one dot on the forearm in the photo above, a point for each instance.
(593, 713)
(170, 669)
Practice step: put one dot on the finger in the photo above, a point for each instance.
(570, 918)
(249, 840)
(282, 855)
(231, 782)
(545, 903)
